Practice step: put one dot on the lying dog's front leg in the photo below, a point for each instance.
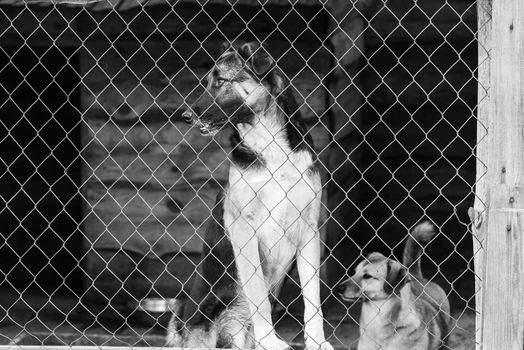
(308, 265)
(251, 279)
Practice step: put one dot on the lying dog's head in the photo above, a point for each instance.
(375, 278)
(239, 87)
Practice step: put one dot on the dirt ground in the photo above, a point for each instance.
(462, 337)
(37, 319)
(343, 333)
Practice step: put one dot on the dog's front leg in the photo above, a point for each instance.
(308, 265)
(251, 278)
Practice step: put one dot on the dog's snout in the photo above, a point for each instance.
(341, 288)
(188, 116)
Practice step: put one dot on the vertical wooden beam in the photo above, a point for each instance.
(498, 221)
(478, 215)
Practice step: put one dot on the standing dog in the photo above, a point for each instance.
(400, 309)
(266, 217)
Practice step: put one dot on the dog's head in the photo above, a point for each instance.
(375, 278)
(239, 86)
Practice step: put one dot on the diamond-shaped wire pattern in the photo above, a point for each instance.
(107, 193)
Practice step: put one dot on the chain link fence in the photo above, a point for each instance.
(106, 192)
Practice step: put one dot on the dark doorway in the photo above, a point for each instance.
(40, 208)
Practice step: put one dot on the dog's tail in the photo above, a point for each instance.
(417, 239)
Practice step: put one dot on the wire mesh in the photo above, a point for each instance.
(107, 193)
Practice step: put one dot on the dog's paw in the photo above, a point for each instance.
(317, 345)
(271, 342)
(174, 340)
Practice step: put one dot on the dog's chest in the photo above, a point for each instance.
(377, 323)
(275, 203)
(275, 206)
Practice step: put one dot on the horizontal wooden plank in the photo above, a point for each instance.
(156, 167)
(59, 24)
(202, 21)
(40, 26)
(122, 5)
(126, 101)
(160, 100)
(421, 21)
(152, 239)
(155, 60)
(187, 204)
(145, 277)
(156, 98)
(86, 347)
(127, 4)
(174, 139)
(103, 137)
(185, 163)
(162, 155)
(148, 221)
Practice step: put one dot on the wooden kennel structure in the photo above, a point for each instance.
(144, 171)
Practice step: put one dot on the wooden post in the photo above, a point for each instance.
(499, 205)
(479, 213)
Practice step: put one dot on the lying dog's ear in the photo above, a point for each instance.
(395, 279)
(259, 60)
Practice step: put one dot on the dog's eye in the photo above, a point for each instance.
(367, 276)
(219, 82)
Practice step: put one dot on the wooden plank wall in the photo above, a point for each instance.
(114, 98)
(137, 67)
(150, 180)
(418, 120)
(136, 140)
(419, 132)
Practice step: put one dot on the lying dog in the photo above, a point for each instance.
(266, 217)
(400, 309)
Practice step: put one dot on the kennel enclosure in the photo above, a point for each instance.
(106, 192)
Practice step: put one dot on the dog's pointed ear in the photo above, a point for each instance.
(259, 60)
(247, 50)
(262, 62)
(395, 279)
(231, 45)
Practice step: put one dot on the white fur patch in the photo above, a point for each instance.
(250, 91)
(280, 201)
